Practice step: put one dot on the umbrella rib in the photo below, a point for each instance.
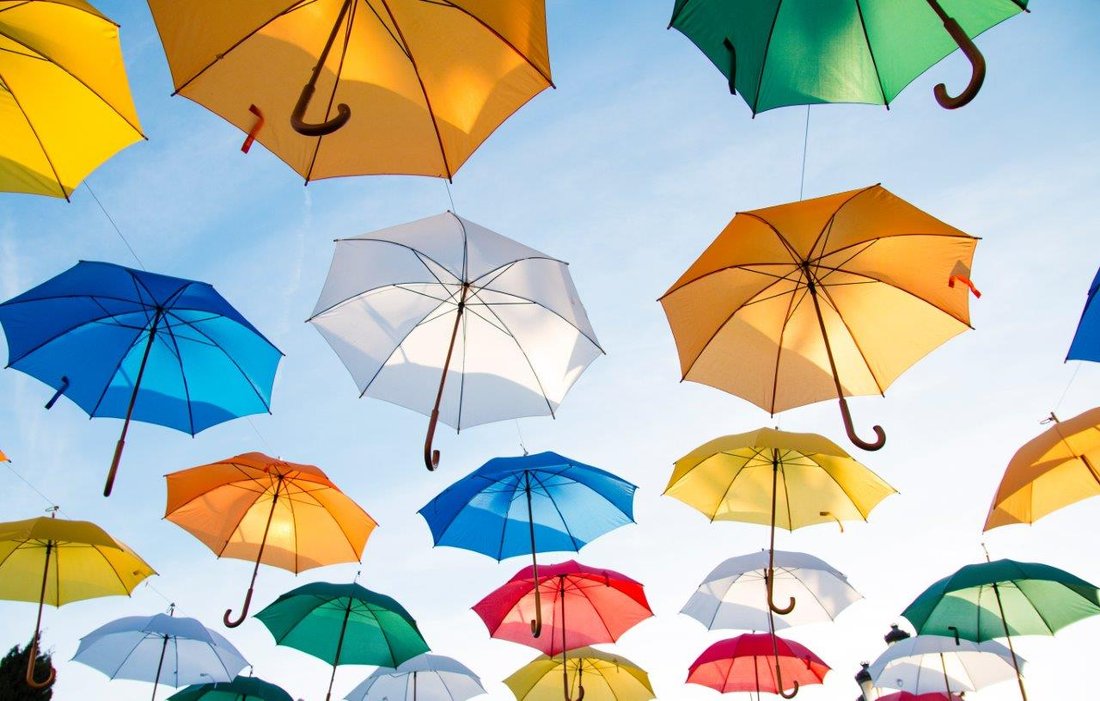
(538, 304)
(598, 612)
(462, 374)
(497, 34)
(565, 525)
(118, 366)
(42, 146)
(863, 356)
(352, 5)
(829, 223)
(538, 381)
(397, 42)
(791, 306)
(126, 658)
(764, 61)
(869, 279)
(183, 376)
(871, 51)
(423, 320)
(749, 267)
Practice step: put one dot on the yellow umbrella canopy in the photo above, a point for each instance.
(1059, 467)
(598, 675)
(829, 297)
(394, 86)
(65, 104)
(57, 561)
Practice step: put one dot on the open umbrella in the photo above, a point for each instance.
(735, 593)
(1086, 340)
(402, 87)
(135, 646)
(934, 663)
(425, 677)
(1059, 467)
(344, 624)
(56, 561)
(778, 479)
(240, 689)
(866, 51)
(760, 662)
(409, 307)
(65, 106)
(906, 696)
(1000, 599)
(254, 507)
(132, 344)
(527, 505)
(829, 297)
(605, 677)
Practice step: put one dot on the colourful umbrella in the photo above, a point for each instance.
(410, 307)
(344, 624)
(85, 563)
(425, 677)
(829, 297)
(131, 344)
(419, 85)
(605, 677)
(849, 51)
(1001, 599)
(1086, 341)
(65, 106)
(1059, 467)
(240, 689)
(934, 663)
(757, 662)
(552, 504)
(254, 507)
(776, 478)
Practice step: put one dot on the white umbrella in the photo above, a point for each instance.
(447, 318)
(160, 649)
(936, 664)
(425, 677)
(735, 595)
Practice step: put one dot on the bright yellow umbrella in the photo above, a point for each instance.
(776, 478)
(56, 561)
(396, 86)
(65, 104)
(1059, 467)
(596, 676)
(829, 297)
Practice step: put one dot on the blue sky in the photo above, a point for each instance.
(627, 170)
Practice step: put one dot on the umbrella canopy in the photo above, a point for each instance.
(136, 647)
(410, 307)
(583, 605)
(591, 673)
(906, 696)
(734, 594)
(933, 664)
(344, 624)
(829, 297)
(847, 51)
(56, 561)
(402, 87)
(255, 507)
(240, 689)
(425, 677)
(1086, 341)
(129, 344)
(757, 662)
(1059, 467)
(65, 106)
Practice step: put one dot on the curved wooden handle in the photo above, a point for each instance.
(977, 62)
(779, 684)
(244, 612)
(431, 457)
(880, 435)
(580, 695)
(31, 681)
(536, 624)
(297, 117)
(769, 579)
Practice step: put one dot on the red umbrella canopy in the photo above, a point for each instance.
(580, 606)
(748, 663)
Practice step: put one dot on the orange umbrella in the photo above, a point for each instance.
(255, 507)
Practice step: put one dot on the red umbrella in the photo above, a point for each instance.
(757, 662)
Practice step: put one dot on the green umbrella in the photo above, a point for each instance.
(344, 624)
(811, 51)
(1003, 598)
(240, 689)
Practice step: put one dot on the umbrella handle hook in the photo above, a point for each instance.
(31, 681)
(779, 684)
(536, 623)
(244, 612)
(880, 435)
(977, 62)
(782, 611)
(431, 457)
(323, 128)
(580, 694)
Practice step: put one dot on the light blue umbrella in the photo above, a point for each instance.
(160, 648)
(425, 677)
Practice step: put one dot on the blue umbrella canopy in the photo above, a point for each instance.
(1086, 342)
(128, 344)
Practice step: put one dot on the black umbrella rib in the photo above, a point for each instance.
(183, 376)
(397, 42)
(871, 51)
(829, 222)
(118, 366)
(42, 146)
(791, 307)
(565, 525)
(873, 279)
(527, 358)
(863, 356)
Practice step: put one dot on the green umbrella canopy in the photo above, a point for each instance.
(311, 618)
(240, 689)
(799, 52)
(1037, 600)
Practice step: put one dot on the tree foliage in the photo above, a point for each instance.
(13, 670)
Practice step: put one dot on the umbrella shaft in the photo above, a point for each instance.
(33, 653)
(156, 680)
(1008, 637)
(339, 647)
(133, 400)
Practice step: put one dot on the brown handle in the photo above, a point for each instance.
(779, 684)
(768, 579)
(31, 681)
(244, 612)
(256, 127)
(297, 117)
(880, 435)
(431, 457)
(977, 63)
(536, 624)
(114, 468)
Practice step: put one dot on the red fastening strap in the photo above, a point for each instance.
(255, 128)
(964, 280)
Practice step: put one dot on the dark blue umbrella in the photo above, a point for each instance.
(98, 333)
(527, 505)
(1086, 342)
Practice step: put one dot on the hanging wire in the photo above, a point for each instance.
(118, 231)
(51, 502)
(520, 434)
(1066, 390)
(805, 143)
(263, 441)
(450, 196)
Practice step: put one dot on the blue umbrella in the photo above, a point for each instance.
(527, 505)
(99, 332)
(1086, 342)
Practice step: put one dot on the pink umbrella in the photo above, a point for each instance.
(757, 662)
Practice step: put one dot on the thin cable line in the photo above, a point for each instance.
(450, 196)
(267, 446)
(88, 186)
(520, 433)
(49, 501)
(805, 143)
(1068, 385)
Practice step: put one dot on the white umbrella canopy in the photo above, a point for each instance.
(449, 319)
(734, 595)
(926, 664)
(425, 677)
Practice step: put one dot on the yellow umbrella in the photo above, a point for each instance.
(776, 478)
(830, 297)
(402, 86)
(56, 561)
(597, 676)
(1059, 467)
(65, 105)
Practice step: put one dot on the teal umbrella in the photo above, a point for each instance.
(1003, 598)
(240, 689)
(867, 51)
(344, 624)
